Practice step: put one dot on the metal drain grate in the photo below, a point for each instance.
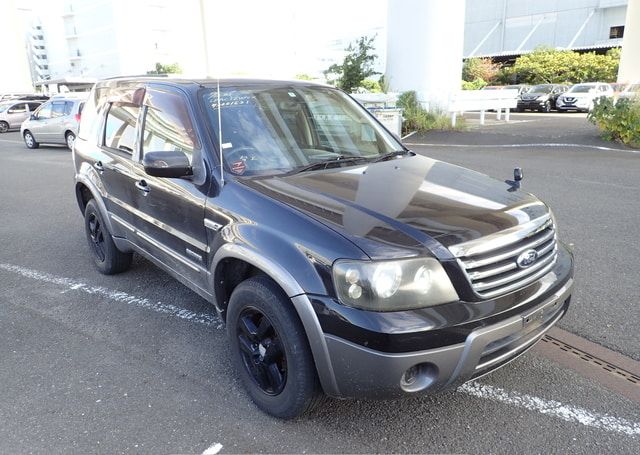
(612, 369)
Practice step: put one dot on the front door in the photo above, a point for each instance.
(17, 114)
(170, 211)
(38, 125)
(113, 162)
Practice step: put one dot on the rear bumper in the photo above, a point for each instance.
(363, 372)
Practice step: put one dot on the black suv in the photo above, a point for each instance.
(341, 261)
(541, 98)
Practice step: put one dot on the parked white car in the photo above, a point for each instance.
(580, 97)
(55, 122)
(631, 91)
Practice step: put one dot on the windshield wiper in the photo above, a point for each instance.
(390, 155)
(326, 163)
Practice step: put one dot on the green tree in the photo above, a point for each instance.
(479, 68)
(356, 66)
(304, 77)
(172, 68)
(546, 65)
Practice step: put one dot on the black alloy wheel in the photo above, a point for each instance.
(4, 127)
(262, 352)
(270, 349)
(106, 256)
(97, 236)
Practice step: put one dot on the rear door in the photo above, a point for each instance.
(170, 211)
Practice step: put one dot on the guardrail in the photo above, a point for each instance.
(483, 100)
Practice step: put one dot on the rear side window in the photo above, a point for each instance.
(68, 106)
(167, 125)
(57, 109)
(120, 127)
(33, 106)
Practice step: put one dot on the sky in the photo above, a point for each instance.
(275, 38)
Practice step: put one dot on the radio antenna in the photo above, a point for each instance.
(220, 133)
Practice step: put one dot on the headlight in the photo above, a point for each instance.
(392, 285)
(553, 220)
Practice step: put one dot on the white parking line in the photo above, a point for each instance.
(12, 142)
(213, 450)
(548, 407)
(596, 147)
(552, 408)
(115, 295)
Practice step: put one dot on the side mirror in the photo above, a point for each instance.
(167, 164)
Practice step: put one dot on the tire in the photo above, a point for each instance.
(107, 258)
(270, 351)
(519, 109)
(4, 127)
(70, 138)
(29, 140)
(546, 108)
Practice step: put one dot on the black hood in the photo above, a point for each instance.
(402, 206)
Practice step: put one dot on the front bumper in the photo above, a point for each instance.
(533, 104)
(579, 105)
(363, 372)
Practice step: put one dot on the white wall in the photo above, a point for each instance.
(15, 72)
(630, 58)
(424, 48)
(559, 21)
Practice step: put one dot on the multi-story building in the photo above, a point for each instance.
(103, 38)
(507, 28)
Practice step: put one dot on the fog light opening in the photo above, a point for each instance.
(418, 377)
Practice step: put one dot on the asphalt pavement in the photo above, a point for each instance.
(137, 363)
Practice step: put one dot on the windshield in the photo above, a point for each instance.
(582, 88)
(277, 129)
(633, 88)
(5, 106)
(541, 89)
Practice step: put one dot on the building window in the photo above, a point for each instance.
(616, 32)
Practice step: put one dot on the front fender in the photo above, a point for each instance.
(296, 270)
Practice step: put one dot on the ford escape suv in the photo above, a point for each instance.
(341, 261)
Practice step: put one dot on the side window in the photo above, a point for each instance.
(33, 106)
(120, 127)
(45, 111)
(91, 121)
(68, 105)
(167, 124)
(17, 108)
(57, 109)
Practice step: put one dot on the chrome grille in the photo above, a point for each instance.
(492, 264)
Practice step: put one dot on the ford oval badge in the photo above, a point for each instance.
(527, 258)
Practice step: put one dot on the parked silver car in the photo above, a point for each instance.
(14, 112)
(55, 122)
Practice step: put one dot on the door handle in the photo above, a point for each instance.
(142, 186)
(98, 166)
